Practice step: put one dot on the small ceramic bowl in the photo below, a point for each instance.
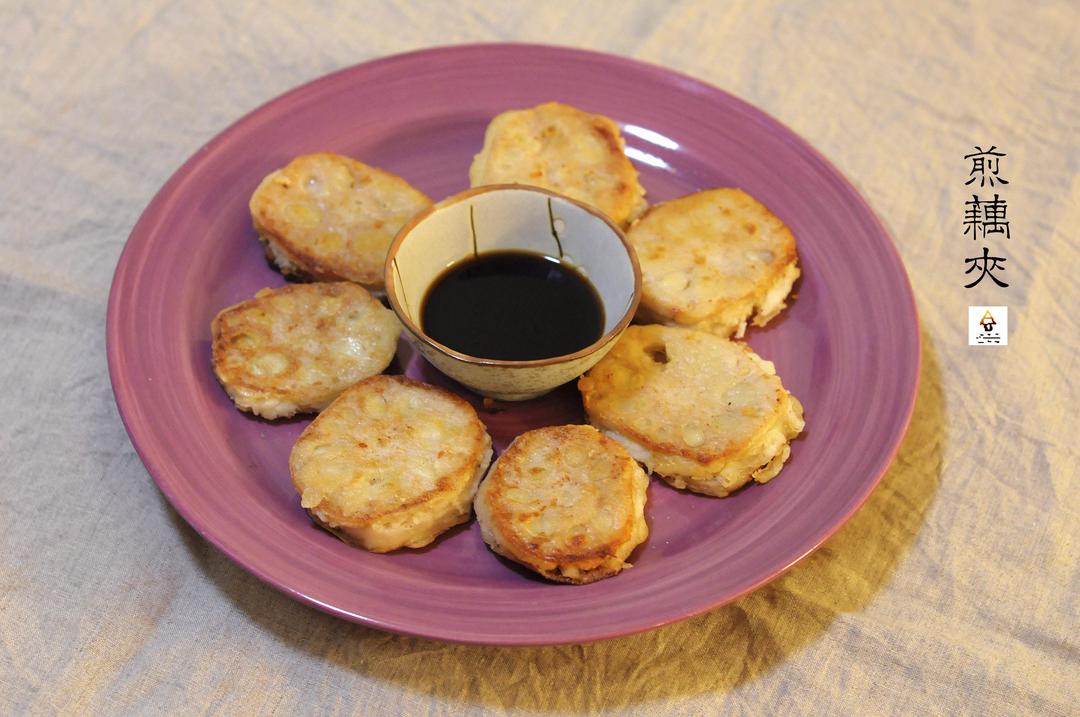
(505, 217)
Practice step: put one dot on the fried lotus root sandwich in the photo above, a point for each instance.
(713, 260)
(566, 150)
(295, 349)
(391, 463)
(328, 217)
(566, 502)
(702, 412)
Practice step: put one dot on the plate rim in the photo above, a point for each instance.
(125, 395)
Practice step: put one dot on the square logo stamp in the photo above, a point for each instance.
(988, 326)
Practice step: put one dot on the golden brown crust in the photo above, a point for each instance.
(565, 501)
(699, 410)
(328, 217)
(566, 150)
(295, 348)
(392, 463)
(713, 260)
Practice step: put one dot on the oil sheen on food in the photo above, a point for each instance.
(513, 306)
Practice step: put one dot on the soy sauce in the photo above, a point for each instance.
(514, 306)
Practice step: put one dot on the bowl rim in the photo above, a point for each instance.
(390, 269)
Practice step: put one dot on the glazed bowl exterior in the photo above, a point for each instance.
(512, 218)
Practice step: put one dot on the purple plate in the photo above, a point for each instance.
(848, 346)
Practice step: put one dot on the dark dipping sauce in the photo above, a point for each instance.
(513, 306)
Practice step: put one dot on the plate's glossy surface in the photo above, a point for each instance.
(848, 346)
